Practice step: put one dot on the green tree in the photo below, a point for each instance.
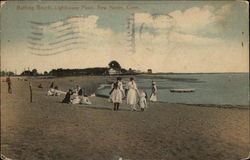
(45, 73)
(34, 72)
(115, 65)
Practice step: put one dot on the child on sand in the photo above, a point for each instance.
(143, 101)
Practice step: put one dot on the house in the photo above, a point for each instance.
(112, 71)
(150, 71)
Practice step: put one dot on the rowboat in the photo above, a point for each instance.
(182, 90)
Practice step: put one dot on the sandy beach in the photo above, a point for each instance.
(49, 130)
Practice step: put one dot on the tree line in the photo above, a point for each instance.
(76, 72)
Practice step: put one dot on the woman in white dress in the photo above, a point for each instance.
(153, 97)
(117, 93)
(132, 94)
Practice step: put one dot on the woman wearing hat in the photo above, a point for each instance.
(153, 97)
(132, 94)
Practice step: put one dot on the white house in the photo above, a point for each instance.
(113, 71)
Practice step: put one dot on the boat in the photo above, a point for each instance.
(182, 90)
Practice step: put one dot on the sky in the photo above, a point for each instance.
(165, 36)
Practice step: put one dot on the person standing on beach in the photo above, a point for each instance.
(9, 84)
(117, 93)
(132, 94)
(153, 97)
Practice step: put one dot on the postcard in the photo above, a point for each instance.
(124, 80)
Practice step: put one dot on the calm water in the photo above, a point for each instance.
(217, 89)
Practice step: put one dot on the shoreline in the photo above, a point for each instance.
(226, 106)
(245, 107)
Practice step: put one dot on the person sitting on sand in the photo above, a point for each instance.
(77, 89)
(51, 92)
(143, 101)
(56, 93)
(85, 100)
(67, 96)
(76, 100)
(78, 96)
(40, 86)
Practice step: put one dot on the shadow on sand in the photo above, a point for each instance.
(108, 108)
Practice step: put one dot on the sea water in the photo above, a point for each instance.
(211, 89)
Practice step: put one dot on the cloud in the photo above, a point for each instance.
(143, 18)
(192, 20)
(193, 39)
(159, 21)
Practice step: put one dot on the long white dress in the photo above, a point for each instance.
(132, 93)
(153, 96)
(117, 94)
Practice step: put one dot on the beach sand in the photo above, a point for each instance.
(49, 130)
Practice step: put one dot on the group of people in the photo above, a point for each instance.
(131, 93)
(75, 96)
(78, 97)
(53, 90)
(133, 96)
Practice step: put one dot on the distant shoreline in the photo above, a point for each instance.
(138, 74)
